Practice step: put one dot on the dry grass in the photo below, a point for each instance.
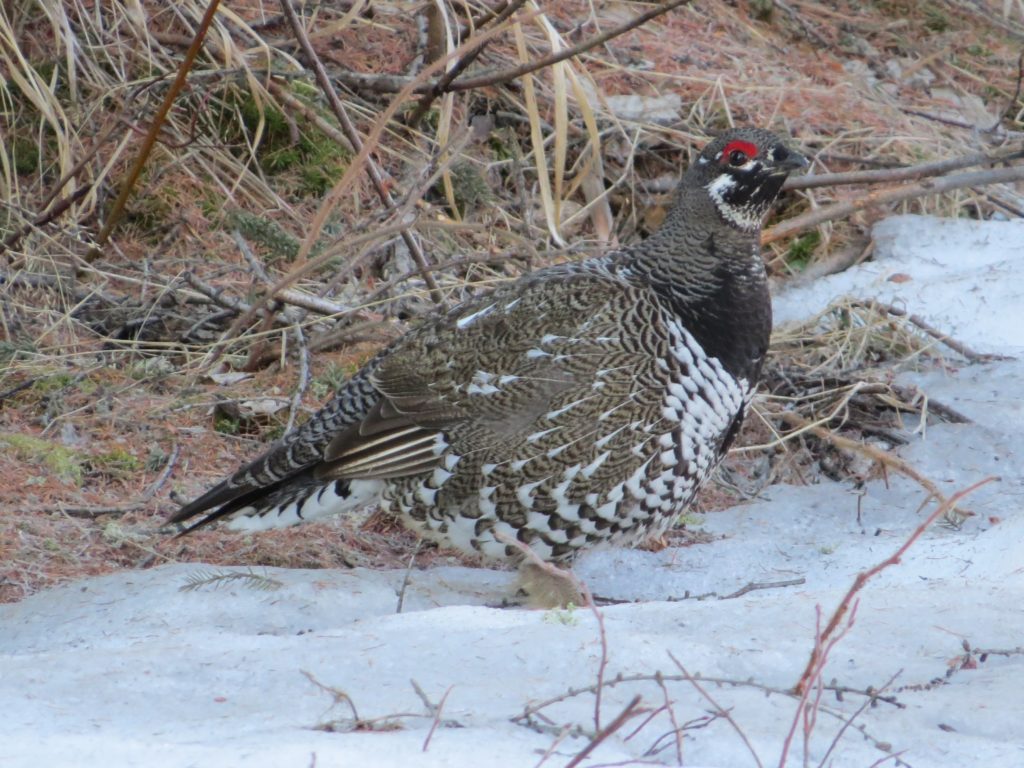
(106, 400)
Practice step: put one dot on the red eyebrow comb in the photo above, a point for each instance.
(747, 148)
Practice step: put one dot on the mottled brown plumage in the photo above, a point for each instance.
(581, 404)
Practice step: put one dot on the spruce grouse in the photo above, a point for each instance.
(582, 404)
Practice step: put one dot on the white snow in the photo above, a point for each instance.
(129, 670)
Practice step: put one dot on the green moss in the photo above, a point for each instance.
(117, 461)
(265, 232)
(469, 186)
(64, 462)
(762, 9)
(25, 155)
(935, 20)
(282, 146)
(53, 383)
(226, 425)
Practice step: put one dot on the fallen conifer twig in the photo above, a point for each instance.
(848, 603)
(534, 709)
(903, 173)
(957, 346)
(514, 73)
(936, 186)
(886, 459)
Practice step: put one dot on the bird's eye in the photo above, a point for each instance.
(738, 157)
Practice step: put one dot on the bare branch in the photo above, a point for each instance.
(718, 708)
(631, 710)
(372, 169)
(906, 173)
(864, 576)
(957, 346)
(885, 196)
(497, 78)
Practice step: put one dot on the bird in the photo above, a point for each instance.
(580, 405)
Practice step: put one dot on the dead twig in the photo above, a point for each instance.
(904, 173)
(497, 78)
(460, 66)
(881, 197)
(398, 83)
(677, 732)
(631, 710)
(807, 710)
(303, 383)
(884, 458)
(434, 709)
(407, 578)
(1013, 99)
(17, 388)
(154, 129)
(850, 720)
(717, 708)
(957, 346)
(372, 169)
(846, 604)
(756, 585)
(91, 513)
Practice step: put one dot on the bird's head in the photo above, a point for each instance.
(742, 172)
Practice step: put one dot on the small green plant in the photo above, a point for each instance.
(279, 245)
(690, 520)
(471, 189)
(331, 379)
(564, 616)
(273, 432)
(156, 459)
(802, 249)
(151, 369)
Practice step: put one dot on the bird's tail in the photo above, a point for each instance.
(296, 499)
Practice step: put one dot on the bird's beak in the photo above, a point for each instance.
(794, 161)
